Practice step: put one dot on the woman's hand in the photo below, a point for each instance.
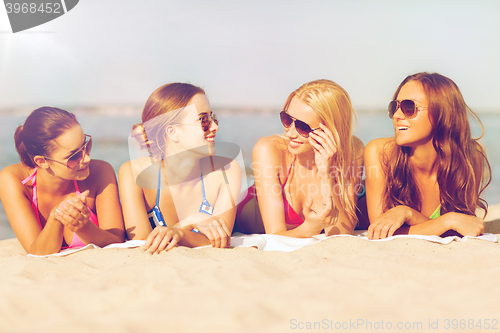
(162, 238)
(325, 217)
(466, 225)
(325, 150)
(216, 231)
(386, 224)
(73, 212)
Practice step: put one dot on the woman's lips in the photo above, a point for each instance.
(84, 169)
(294, 144)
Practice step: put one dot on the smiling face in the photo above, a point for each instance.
(192, 133)
(416, 130)
(63, 147)
(298, 144)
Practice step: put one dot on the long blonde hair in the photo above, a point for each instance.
(333, 105)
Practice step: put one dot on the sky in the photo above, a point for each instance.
(250, 53)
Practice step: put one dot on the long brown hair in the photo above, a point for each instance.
(163, 107)
(463, 171)
(42, 126)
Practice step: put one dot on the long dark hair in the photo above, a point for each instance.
(42, 126)
(463, 171)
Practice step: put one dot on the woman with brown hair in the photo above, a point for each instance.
(308, 180)
(179, 192)
(57, 196)
(428, 178)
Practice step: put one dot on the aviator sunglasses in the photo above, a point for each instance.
(302, 128)
(206, 121)
(74, 160)
(408, 107)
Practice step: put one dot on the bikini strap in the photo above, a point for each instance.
(77, 190)
(34, 197)
(158, 188)
(205, 206)
(289, 170)
(203, 186)
(30, 177)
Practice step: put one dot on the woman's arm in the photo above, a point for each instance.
(107, 205)
(375, 178)
(462, 224)
(403, 219)
(214, 230)
(267, 160)
(22, 218)
(381, 224)
(218, 227)
(135, 214)
(268, 167)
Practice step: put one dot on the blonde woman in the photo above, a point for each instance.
(308, 180)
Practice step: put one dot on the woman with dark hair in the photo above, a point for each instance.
(179, 192)
(57, 197)
(429, 177)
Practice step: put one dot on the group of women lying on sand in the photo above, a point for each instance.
(427, 179)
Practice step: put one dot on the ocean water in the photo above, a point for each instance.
(110, 128)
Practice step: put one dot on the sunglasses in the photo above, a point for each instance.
(74, 160)
(407, 106)
(206, 121)
(302, 128)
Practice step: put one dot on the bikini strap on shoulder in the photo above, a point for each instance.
(289, 170)
(30, 177)
(202, 186)
(158, 187)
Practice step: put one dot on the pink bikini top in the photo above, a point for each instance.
(291, 216)
(76, 242)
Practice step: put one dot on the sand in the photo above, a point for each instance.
(341, 282)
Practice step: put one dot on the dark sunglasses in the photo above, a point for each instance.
(206, 121)
(407, 106)
(302, 128)
(74, 160)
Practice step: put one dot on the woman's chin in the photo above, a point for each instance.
(83, 174)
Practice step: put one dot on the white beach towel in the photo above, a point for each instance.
(282, 243)
(289, 244)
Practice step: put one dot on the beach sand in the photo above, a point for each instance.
(345, 281)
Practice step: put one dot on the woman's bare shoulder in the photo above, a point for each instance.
(101, 175)
(270, 144)
(381, 145)
(14, 172)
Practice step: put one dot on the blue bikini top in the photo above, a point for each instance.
(155, 216)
